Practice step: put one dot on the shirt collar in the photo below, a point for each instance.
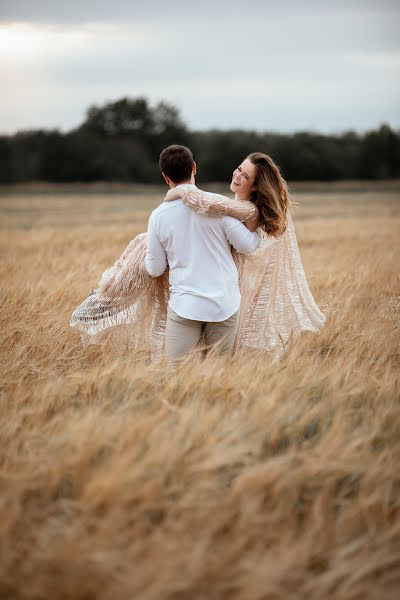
(189, 185)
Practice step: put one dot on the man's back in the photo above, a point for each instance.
(203, 276)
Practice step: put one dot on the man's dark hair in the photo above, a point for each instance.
(176, 162)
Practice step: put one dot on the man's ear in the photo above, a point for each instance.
(166, 178)
(194, 168)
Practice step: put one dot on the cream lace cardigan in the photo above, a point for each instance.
(276, 301)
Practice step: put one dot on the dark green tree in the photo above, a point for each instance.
(380, 154)
(123, 117)
(121, 141)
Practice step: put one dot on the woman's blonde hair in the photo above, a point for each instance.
(271, 194)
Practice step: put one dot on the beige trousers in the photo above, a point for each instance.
(182, 335)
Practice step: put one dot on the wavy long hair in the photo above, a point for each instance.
(270, 195)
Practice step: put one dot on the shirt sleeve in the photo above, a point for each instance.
(156, 257)
(241, 238)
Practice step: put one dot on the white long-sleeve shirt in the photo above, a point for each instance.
(202, 274)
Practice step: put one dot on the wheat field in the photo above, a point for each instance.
(229, 478)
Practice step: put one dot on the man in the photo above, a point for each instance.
(204, 287)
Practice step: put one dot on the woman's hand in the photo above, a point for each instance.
(252, 223)
(174, 193)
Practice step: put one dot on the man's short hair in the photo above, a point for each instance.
(177, 163)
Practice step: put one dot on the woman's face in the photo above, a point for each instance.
(243, 179)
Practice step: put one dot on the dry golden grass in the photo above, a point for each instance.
(227, 479)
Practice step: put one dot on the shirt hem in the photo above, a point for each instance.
(187, 315)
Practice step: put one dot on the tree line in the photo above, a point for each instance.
(121, 141)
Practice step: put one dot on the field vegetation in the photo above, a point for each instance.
(229, 478)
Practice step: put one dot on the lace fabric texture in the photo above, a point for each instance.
(276, 301)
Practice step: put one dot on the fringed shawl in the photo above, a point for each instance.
(276, 301)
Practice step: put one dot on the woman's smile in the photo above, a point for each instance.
(243, 179)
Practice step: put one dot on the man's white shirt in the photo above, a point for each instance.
(203, 276)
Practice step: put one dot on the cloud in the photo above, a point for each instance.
(319, 64)
(176, 11)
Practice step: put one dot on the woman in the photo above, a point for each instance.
(276, 302)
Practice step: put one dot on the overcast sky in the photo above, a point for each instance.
(286, 65)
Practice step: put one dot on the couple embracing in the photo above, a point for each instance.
(222, 271)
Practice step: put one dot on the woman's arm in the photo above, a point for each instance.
(216, 205)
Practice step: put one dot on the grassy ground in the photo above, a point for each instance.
(228, 479)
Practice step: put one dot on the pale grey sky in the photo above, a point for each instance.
(290, 65)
